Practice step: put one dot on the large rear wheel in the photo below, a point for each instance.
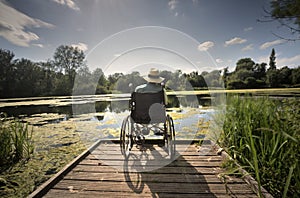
(170, 137)
(126, 139)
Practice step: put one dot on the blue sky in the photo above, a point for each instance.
(121, 35)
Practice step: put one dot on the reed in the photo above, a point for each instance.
(16, 141)
(263, 135)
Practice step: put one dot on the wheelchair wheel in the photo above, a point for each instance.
(170, 137)
(126, 139)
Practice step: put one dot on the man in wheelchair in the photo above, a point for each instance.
(148, 116)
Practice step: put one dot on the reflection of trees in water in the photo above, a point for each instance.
(101, 106)
(29, 110)
(119, 106)
(188, 101)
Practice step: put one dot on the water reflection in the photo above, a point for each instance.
(103, 115)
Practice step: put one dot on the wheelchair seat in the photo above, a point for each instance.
(147, 113)
(147, 107)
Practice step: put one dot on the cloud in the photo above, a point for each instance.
(272, 43)
(205, 46)
(247, 29)
(69, 3)
(38, 45)
(173, 4)
(218, 60)
(248, 48)
(235, 41)
(291, 62)
(81, 46)
(14, 26)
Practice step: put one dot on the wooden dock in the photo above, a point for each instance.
(102, 171)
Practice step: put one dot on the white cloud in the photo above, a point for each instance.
(81, 46)
(69, 3)
(272, 43)
(206, 45)
(248, 47)
(38, 45)
(218, 60)
(173, 4)
(291, 62)
(235, 41)
(247, 29)
(14, 24)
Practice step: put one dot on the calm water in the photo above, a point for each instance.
(100, 116)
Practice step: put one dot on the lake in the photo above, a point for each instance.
(57, 121)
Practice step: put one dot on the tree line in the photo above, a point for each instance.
(68, 69)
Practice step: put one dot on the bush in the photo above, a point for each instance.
(16, 142)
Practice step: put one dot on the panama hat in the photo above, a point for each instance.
(153, 76)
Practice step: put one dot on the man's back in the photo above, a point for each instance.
(148, 88)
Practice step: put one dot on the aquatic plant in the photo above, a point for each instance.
(263, 135)
(16, 142)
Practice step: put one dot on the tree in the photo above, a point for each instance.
(272, 62)
(260, 71)
(245, 63)
(287, 12)
(48, 76)
(68, 60)
(272, 78)
(6, 72)
(295, 76)
(284, 76)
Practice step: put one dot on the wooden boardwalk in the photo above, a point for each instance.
(103, 172)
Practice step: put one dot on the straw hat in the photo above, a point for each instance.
(153, 76)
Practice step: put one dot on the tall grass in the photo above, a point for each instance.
(15, 141)
(263, 135)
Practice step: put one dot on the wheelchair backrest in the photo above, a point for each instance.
(148, 107)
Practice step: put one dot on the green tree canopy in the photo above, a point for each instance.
(68, 60)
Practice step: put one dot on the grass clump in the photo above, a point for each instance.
(16, 142)
(263, 135)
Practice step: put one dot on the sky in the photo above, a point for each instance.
(128, 35)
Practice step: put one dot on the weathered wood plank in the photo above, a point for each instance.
(153, 156)
(148, 177)
(148, 187)
(96, 194)
(151, 163)
(171, 170)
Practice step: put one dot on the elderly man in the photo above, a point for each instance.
(153, 84)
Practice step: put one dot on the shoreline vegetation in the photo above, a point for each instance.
(67, 73)
(16, 142)
(263, 136)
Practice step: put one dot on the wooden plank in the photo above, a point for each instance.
(171, 170)
(188, 157)
(142, 186)
(151, 163)
(147, 187)
(149, 176)
(97, 194)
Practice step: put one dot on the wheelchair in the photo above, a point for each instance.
(148, 118)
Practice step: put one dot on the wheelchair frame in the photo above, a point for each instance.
(142, 119)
